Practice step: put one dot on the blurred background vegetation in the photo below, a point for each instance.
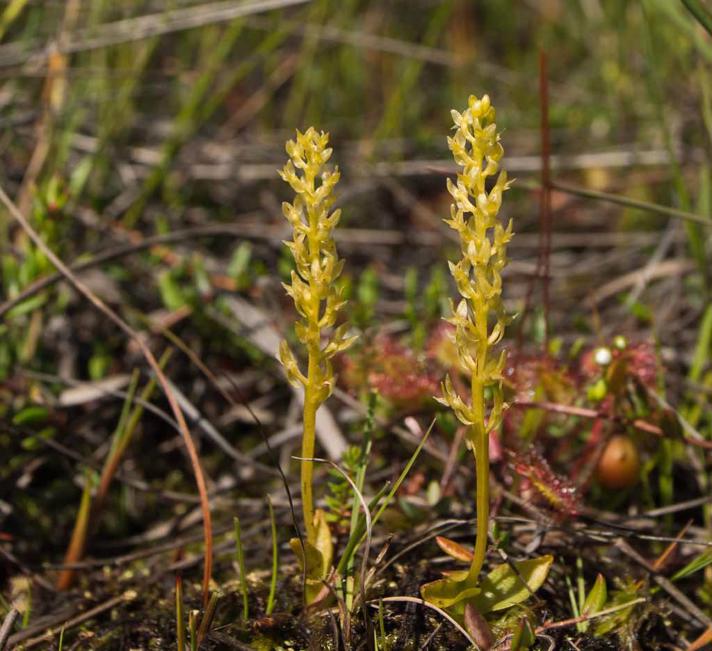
(117, 116)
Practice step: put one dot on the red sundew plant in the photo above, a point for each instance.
(551, 488)
(642, 362)
(398, 374)
(619, 362)
(618, 379)
(533, 378)
(528, 375)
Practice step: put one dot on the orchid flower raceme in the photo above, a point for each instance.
(478, 318)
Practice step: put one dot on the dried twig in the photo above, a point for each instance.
(421, 602)
(584, 412)
(688, 606)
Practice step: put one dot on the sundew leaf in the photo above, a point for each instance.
(504, 586)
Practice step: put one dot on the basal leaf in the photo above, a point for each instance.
(450, 590)
(323, 543)
(478, 627)
(503, 587)
(313, 568)
(313, 564)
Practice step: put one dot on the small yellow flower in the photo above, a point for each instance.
(479, 317)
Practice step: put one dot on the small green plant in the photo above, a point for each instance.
(21, 328)
(318, 299)
(479, 322)
(92, 503)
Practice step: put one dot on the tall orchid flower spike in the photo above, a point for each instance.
(317, 299)
(480, 321)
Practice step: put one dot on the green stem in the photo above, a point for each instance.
(312, 387)
(480, 446)
(275, 560)
(180, 614)
(308, 438)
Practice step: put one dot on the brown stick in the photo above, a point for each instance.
(585, 618)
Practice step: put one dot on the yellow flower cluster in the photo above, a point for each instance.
(479, 317)
(316, 296)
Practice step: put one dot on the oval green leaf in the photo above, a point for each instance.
(451, 590)
(506, 586)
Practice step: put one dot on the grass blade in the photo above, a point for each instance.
(240, 558)
(702, 16)
(275, 559)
